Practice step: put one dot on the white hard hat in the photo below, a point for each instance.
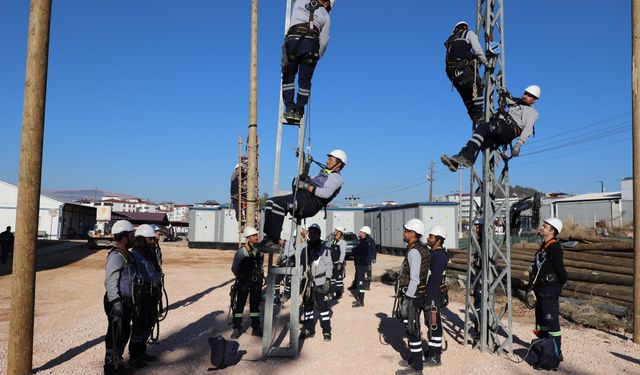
(415, 225)
(438, 230)
(366, 230)
(122, 226)
(145, 230)
(155, 227)
(460, 23)
(340, 229)
(339, 154)
(533, 90)
(315, 226)
(249, 231)
(554, 222)
(332, 2)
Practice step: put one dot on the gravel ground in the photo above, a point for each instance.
(70, 325)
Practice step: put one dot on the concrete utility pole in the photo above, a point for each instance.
(24, 277)
(252, 144)
(431, 181)
(635, 14)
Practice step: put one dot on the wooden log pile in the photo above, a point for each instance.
(603, 270)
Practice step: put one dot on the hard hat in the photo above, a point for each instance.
(556, 223)
(315, 226)
(533, 90)
(459, 24)
(332, 2)
(339, 154)
(415, 225)
(340, 229)
(145, 230)
(237, 165)
(122, 226)
(438, 230)
(478, 221)
(249, 231)
(366, 230)
(155, 227)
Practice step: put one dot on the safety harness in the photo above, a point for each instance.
(530, 298)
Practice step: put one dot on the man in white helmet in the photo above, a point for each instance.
(311, 196)
(145, 317)
(338, 254)
(249, 273)
(463, 54)
(517, 121)
(412, 291)
(435, 299)
(120, 271)
(362, 261)
(550, 276)
(304, 45)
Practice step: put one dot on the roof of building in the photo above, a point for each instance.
(141, 217)
(590, 197)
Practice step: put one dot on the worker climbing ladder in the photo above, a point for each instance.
(494, 318)
(271, 344)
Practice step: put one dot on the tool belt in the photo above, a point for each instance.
(458, 64)
(506, 118)
(302, 30)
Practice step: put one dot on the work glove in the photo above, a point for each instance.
(405, 306)
(326, 287)
(117, 311)
(339, 267)
(516, 150)
(303, 185)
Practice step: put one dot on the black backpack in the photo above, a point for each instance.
(224, 353)
(548, 358)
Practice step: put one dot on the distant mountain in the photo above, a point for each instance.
(75, 195)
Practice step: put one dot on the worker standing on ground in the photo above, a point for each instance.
(362, 261)
(338, 253)
(412, 285)
(6, 244)
(304, 45)
(515, 122)
(435, 299)
(145, 317)
(247, 268)
(312, 195)
(120, 273)
(548, 266)
(316, 261)
(463, 54)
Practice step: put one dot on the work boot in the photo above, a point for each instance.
(338, 295)
(432, 360)
(291, 116)
(357, 303)
(149, 358)
(121, 370)
(256, 331)
(237, 332)
(308, 333)
(449, 163)
(268, 246)
(409, 371)
(137, 362)
(327, 336)
(405, 363)
(461, 161)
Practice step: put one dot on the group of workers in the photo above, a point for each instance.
(134, 291)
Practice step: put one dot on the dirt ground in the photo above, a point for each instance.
(70, 325)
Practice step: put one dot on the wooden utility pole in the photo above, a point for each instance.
(23, 281)
(252, 143)
(431, 168)
(635, 14)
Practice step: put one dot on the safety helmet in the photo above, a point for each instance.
(340, 229)
(438, 230)
(339, 154)
(415, 225)
(533, 90)
(556, 223)
(122, 226)
(155, 227)
(478, 221)
(460, 24)
(332, 2)
(315, 226)
(145, 230)
(366, 230)
(249, 231)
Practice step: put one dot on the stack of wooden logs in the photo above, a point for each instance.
(603, 270)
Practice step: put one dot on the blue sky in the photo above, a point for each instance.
(148, 98)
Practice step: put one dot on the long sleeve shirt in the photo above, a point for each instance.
(437, 269)
(321, 20)
(525, 116)
(326, 183)
(414, 259)
(473, 40)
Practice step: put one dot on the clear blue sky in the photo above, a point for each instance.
(148, 98)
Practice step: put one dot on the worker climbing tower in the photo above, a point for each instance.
(272, 340)
(489, 279)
